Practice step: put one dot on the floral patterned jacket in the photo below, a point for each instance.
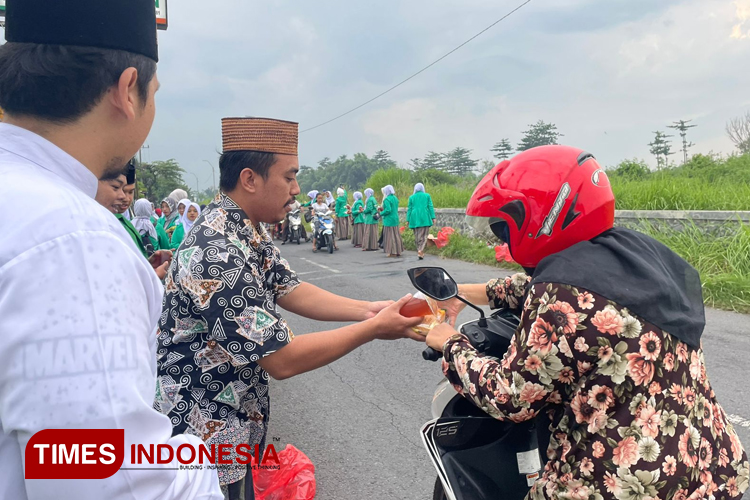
(632, 413)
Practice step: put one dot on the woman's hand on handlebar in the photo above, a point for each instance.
(474, 293)
(439, 335)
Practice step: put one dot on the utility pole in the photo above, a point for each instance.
(213, 174)
(197, 182)
(140, 153)
(140, 165)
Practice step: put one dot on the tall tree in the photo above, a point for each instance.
(325, 162)
(738, 130)
(503, 149)
(539, 134)
(459, 162)
(351, 173)
(383, 159)
(416, 164)
(306, 178)
(661, 148)
(159, 178)
(434, 160)
(205, 196)
(683, 127)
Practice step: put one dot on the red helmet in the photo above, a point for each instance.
(545, 200)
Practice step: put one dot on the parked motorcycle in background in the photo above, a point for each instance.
(277, 231)
(323, 224)
(476, 456)
(294, 227)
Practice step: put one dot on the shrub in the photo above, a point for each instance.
(630, 169)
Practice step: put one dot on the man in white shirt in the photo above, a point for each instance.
(78, 303)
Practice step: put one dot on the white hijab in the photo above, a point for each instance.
(418, 187)
(340, 192)
(357, 195)
(329, 198)
(368, 192)
(388, 190)
(186, 203)
(142, 219)
(187, 224)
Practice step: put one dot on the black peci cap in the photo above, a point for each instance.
(130, 173)
(128, 25)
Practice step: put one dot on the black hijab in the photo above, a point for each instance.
(636, 272)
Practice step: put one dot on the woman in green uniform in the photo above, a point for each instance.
(358, 219)
(370, 235)
(142, 223)
(392, 243)
(167, 223)
(342, 215)
(420, 216)
(186, 222)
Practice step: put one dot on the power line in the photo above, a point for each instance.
(421, 70)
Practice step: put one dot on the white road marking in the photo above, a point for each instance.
(308, 272)
(328, 277)
(335, 271)
(737, 420)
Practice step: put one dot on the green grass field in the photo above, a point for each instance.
(724, 263)
(704, 183)
(658, 192)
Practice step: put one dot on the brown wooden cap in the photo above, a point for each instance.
(266, 135)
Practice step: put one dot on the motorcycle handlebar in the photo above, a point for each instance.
(431, 354)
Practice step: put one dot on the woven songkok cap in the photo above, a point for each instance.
(260, 134)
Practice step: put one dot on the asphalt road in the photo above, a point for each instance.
(359, 418)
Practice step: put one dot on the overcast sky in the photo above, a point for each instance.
(608, 73)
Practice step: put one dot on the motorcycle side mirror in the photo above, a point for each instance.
(437, 284)
(433, 282)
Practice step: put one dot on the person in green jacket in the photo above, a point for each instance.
(167, 223)
(182, 207)
(119, 200)
(370, 232)
(420, 216)
(142, 223)
(187, 219)
(393, 245)
(111, 196)
(358, 220)
(342, 214)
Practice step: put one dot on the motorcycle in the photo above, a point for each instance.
(324, 231)
(276, 231)
(476, 456)
(294, 228)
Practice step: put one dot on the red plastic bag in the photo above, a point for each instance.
(402, 229)
(502, 253)
(295, 479)
(444, 236)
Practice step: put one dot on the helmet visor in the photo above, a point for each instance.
(501, 230)
(489, 228)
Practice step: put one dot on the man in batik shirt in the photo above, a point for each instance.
(221, 334)
(608, 346)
